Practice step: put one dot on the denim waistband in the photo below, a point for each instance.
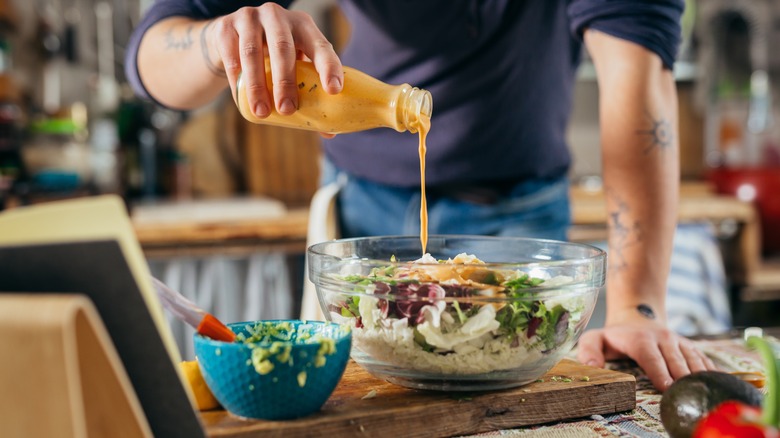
(478, 192)
(491, 192)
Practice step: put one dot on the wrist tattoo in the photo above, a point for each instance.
(204, 50)
(646, 311)
(174, 43)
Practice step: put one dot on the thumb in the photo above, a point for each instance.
(590, 349)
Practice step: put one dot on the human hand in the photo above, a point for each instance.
(243, 38)
(662, 354)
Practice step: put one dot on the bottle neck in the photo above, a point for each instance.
(413, 103)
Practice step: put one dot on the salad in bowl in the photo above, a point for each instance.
(475, 313)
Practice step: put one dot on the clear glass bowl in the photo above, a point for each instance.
(458, 326)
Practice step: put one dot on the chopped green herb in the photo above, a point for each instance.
(461, 317)
(522, 282)
(419, 339)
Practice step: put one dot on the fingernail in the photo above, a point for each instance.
(287, 106)
(591, 363)
(261, 110)
(334, 83)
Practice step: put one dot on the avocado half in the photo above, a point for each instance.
(690, 398)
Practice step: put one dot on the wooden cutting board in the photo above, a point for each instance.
(399, 411)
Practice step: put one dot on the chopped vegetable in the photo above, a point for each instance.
(771, 411)
(271, 345)
(204, 398)
(450, 310)
(734, 419)
(521, 317)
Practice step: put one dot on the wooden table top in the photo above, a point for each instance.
(697, 203)
(287, 231)
(291, 226)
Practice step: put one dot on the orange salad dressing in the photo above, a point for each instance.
(424, 125)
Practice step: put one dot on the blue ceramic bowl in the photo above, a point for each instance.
(276, 370)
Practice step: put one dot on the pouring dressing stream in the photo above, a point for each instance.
(363, 103)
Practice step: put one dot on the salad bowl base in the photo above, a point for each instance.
(412, 379)
(473, 385)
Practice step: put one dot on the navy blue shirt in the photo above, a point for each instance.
(501, 73)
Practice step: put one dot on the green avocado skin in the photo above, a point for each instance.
(693, 396)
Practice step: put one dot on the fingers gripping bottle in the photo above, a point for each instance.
(364, 103)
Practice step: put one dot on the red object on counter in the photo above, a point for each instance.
(215, 329)
(760, 185)
(732, 419)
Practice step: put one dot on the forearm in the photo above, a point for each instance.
(641, 173)
(178, 65)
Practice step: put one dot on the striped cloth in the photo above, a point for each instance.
(697, 302)
(697, 299)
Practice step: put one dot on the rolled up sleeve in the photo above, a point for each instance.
(653, 24)
(162, 9)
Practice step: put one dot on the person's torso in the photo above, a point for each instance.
(501, 73)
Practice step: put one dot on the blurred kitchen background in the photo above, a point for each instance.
(220, 205)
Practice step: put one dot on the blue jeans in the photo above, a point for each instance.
(533, 208)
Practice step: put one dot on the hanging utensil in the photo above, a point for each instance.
(185, 310)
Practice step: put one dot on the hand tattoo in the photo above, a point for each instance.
(646, 311)
(659, 135)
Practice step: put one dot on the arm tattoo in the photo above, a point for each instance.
(174, 43)
(622, 233)
(204, 50)
(658, 136)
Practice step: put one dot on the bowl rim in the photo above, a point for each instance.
(346, 334)
(543, 290)
(316, 249)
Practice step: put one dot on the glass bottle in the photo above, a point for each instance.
(57, 155)
(364, 103)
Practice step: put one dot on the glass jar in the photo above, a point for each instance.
(56, 156)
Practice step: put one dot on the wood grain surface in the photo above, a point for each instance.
(289, 227)
(399, 411)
